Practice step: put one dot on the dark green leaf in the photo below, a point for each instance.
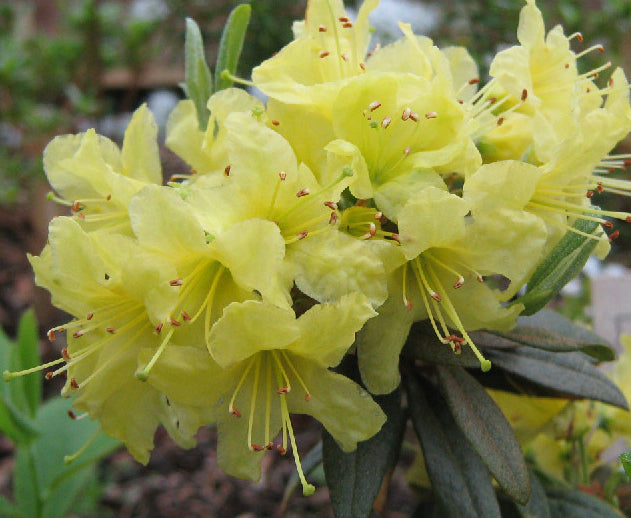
(625, 458)
(231, 45)
(423, 345)
(486, 428)
(8, 509)
(460, 480)
(355, 478)
(198, 79)
(562, 264)
(551, 331)
(537, 505)
(25, 487)
(568, 373)
(14, 424)
(28, 353)
(310, 462)
(569, 503)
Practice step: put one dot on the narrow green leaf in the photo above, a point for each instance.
(25, 486)
(64, 499)
(310, 462)
(199, 81)
(487, 430)
(231, 45)
(423, 345)
(551, 331)
(537, 505)
(459, 479)
(561, 265)
(14, 424)
(625, 458)
(8, 509)
(29, 356)
(355, 478)
(568, 373)
(569, 503)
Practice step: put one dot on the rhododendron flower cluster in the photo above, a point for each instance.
(372, 190)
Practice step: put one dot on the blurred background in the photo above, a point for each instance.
(69, 65)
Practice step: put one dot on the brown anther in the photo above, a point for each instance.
(78, 333)
(110, 330)
(344, 19)
(361, 203)
(479, 278)
(174, 322)
(579, 37)
(49, 375)
(282, 175)
(172, 178)
(607, 224)
(408, 305)
(71, 414)
(611, 81)
(323, 53)
(628, 219)
(524, 94)
(600, 49)
(176, 282)
(611, 170)
(500, 121)
(185, 316)
(282, 390)
(275, 122)
(307, 396)
(226, 170)
(159, 327)
(460, 101)
(372, 230)
(333, 218)
(627, 162)
(64, 354)
(474, 81)
(406, 114)
(459, 283)
(89, 316)
(108, 197)
(193, 171)
(257, 447)
(614, 235)
(75, 207)
(587, 90)
(347, 25)
(51, 335)
(302, 235)
(589, 194)
(362, 66)
(269, 446)
(492, 100)
(322, 28)
(431, 115)
(395, 237)
(280, 449)
(374, 105)
(81, 215)
(406, 151)
(567, 65)
(344, 57)
(386, 122)
(378, 215)
(303, 192)
(331, 205)
(415, 116)
(457, 348)
(235, 412)
(73, 383)
(435, 296)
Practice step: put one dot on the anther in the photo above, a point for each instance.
(64, 353)
(628, 219)
(280, 449)
(89, 316)
(331, 205)
(395, 237)
(110, 330)
(459, 282)
(567, 65)
(492, 100)
(283, 390)
(257, 447)
(589, 194)
(347, 25)
(322, 28)
(374, 105)
(406, 114)
(408, 305)
(49, 375)
(302, 235)
(344, 57)
(303, 192)
(174, 322)
(614, 235)
(226, 171)
(406, 151)
(386, 122)
(80, 215)
(73, 383)
(479, 278)
(524, 94)
(282, 175)
(431, 115)
(611, 81)
(435, 296)
(159, 327)
(75, 207)
(79, 333)
(185, 316)
(323, 53)
(500, 121)
(307, 396)
(378, 215)
(275, 122)
(344, 19)
(51, 335)
(333, 218)
(599, 187)
(474, 81)
(232, 410)
(607, 224)
(176, 282)
(362, 66)
(269, 446)
(108, 197)
(71, 414)
(415, 116)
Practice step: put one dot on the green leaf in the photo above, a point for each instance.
(569, 503)
(8, 509)
(487, 430)
(28, 355)
(568, 373)
(562, 264)
(625, 458)
(197, 76)
(310, 462)
(14, 424)
(355, 478)
(64, 499)
(459, 478)
(423, 345)
(537, 504)
(551, 331)
(231, 45)
(25, 487)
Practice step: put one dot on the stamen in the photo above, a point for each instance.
(9, 375)
(323, 53)
(70, 458)
(255, 388)
(143, 374)
(231, 409)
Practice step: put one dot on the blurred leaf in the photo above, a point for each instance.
(8, 510)
(625, 458)
(568, 373)
(354, 478)
(28, 356)
(198, 79)
(460, 480)
(486, 428)
(231, 45)
(65, 497)
(310, 462)
(570, 503)
(537, 505)
(25, 487)
(551, 331)
(562, 264)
